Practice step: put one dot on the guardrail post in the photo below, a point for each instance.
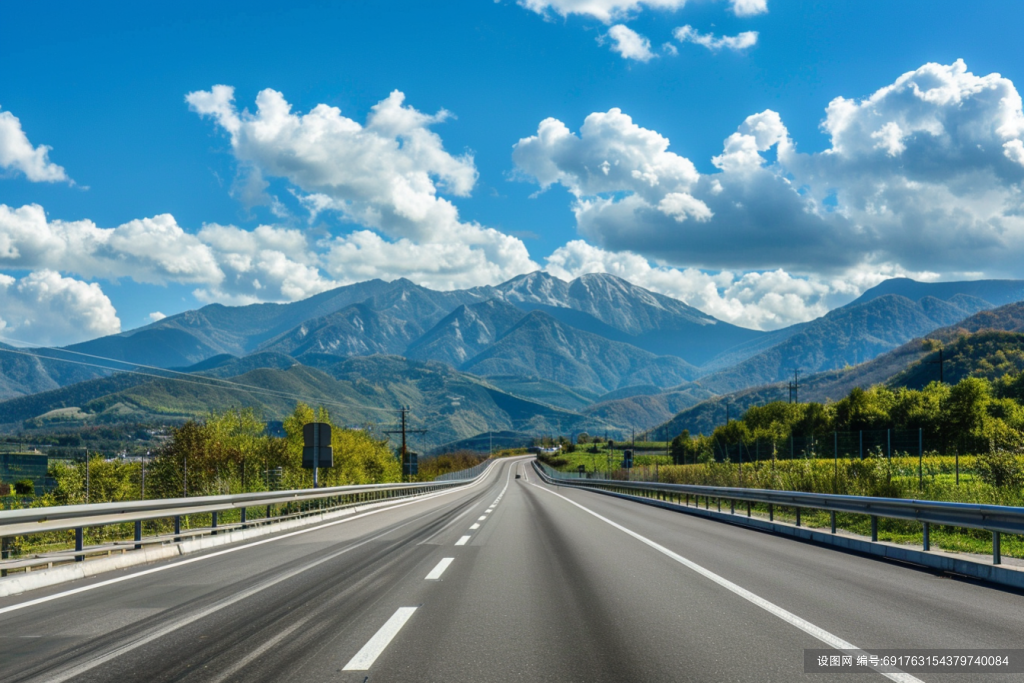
(687, 500)
(177, 528)
(798, 516)
(243, 518)
(926, 536)
(138, 534)
(719, 500)
(997, 551)
(748, 508)
(268, 512)
(5, 552)
(213, 523)
(832, 518)
(79, 543)
(874, 529)
(707, 503)
(732, 507)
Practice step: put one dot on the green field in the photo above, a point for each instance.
(928, 478)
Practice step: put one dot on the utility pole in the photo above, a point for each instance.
(938, 362)
(794, 387)
(403, 431)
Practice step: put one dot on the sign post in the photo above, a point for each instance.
(315, 455)
(410, 461)
(411, 465)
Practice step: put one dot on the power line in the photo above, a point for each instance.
(794, 387)
(159, 369)
(239, 385)
(403, 431)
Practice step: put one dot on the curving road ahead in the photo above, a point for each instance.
(506, 580)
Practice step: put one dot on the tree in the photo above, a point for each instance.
(24, 487)
(680, 447)
(965, 412)
(358, 458)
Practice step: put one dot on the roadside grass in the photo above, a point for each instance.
(124, 534)
(932, 477)
(605, 461)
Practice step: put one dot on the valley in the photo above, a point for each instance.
(532, 356)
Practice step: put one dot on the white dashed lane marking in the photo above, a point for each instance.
(436, 572)
(365, 658)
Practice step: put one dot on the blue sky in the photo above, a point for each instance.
(790, 221)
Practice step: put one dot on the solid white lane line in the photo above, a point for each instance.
(787, 616)
(365, 658)
(76, 670)
(462, 541)
(474, 527)
(232, 549)
(436, 572)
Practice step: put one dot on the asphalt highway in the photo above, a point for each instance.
(506, 580)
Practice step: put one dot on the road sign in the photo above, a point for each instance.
(411, 466)
(317, 451)
(627, 458)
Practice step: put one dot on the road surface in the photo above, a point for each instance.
(506, 580)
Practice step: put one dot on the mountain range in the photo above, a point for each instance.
(533, 354)
(987, 344)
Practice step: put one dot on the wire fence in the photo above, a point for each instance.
(902, 454)
(859, 444)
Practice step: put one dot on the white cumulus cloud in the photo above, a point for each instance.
(611, 154)
(604, 10)
(760, 300)
(748, 8)
(18, 155)
(45, 309)
(386, 175)
(630, 44)
(740, 41)
(923, 175)
(492, 258)
(765, 300)
(226, 263)
(608, 11)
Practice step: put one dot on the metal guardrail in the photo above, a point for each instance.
(465, 474)
(997, 519)
(15, 523)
